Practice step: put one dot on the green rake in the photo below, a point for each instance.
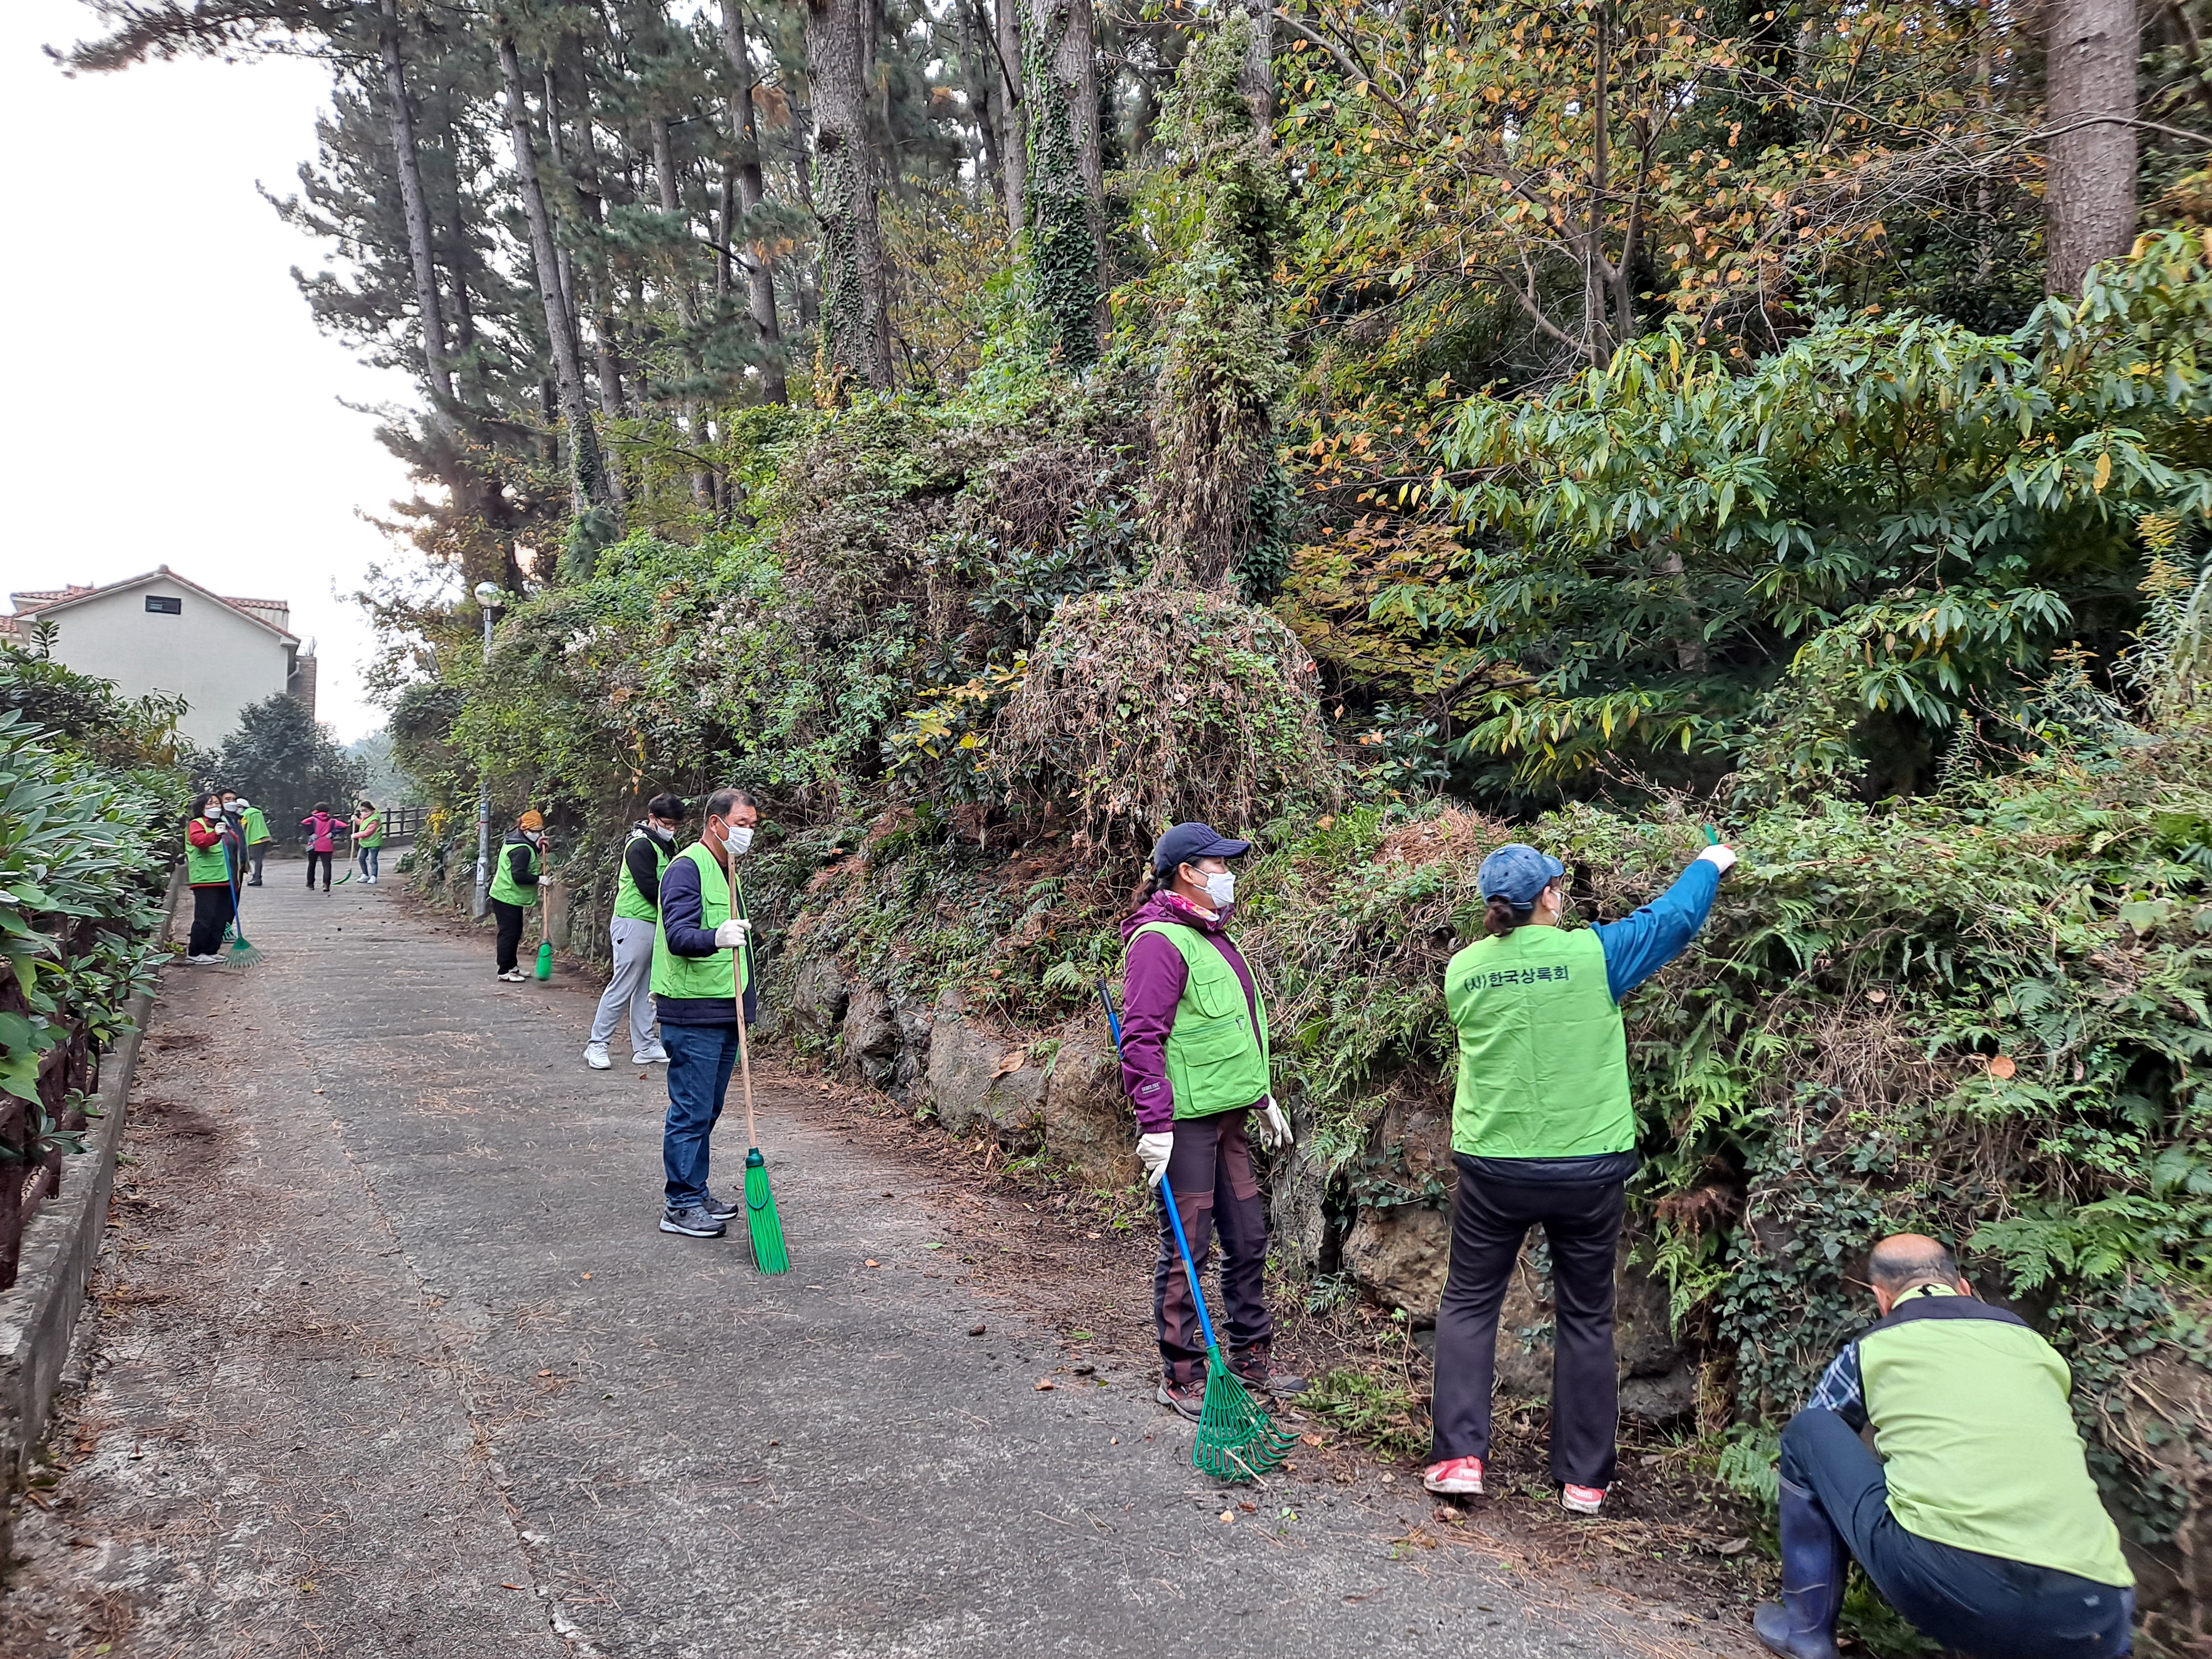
(1236, 1438)
(241, 953)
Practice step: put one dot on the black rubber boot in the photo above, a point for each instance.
(1802, 1623)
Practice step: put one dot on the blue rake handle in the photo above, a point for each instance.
(1167, 1193)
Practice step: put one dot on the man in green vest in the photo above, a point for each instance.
(1974, 1513)
(1544, 1136)
(702, 968)
(1195, 1064)
(646, 853)
(515, 877)
(258, 838)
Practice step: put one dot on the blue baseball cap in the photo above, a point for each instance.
(1187, 842)
(1516, 873)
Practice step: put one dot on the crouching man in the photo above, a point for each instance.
(1974, 1514)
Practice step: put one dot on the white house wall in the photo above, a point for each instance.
(220, 660)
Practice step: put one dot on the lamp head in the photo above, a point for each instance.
(487, 594)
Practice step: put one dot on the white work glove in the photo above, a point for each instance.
(1270, 1128)
(1721, 858)
(731, 934)
(1152, 1153)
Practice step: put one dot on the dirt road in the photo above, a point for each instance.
(391, 1359)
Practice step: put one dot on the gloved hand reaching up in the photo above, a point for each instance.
(1152, 1153)
(1269, 1127)
(731, 934)
(1721, 858)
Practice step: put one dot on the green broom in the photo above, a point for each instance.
(761, 1221)
(1236, 1439)
(241, 953)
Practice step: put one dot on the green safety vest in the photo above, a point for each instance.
(1217, 1052)
(257, 827)
(207, 866)
(504, 887)
(698, 977)
(1979, 1447)
(628, 902)
(370, 832)
(1543, 1055)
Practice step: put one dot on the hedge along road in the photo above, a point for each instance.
(392, 1359)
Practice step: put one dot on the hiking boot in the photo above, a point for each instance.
(1252, 1369)
(1456, 1477)
(1582, 1500)
(722, 1208)
(692, 1223)
(656, 1055)
(1188, 1399)
(595, 1056)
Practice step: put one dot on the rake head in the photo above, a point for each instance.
(244, 955)
(1236, 1438)
(761, 1221)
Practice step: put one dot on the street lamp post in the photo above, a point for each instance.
(488, 597)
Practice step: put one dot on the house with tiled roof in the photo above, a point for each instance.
(163, 632)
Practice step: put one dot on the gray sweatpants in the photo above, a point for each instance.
(631, 985)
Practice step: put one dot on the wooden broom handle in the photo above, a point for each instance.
(744, 1056)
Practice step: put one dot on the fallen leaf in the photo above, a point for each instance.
(872, 1262)
(974, 1330)
(1044, 1385)
(587, 1275)
(1735, 1546)
(545, 1373)
(1227, 1515)
(1010, 1063)
(2002, 1067)
(505, 1585)
(933, 1247)
(1311, 1439)
(1249, 1508)
(1877, 996)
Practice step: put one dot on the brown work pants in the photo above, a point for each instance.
(1210, 1171)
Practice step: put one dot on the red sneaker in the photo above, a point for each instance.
(1582, 1500)
(1456, 1477)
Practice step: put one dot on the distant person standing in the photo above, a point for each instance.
(321, 827)
(367, 839)
(207, 871)
(514, 877)
(233, 841)
(702, 965)
(255, 824)
(637, 915)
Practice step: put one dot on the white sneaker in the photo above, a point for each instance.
(656, 1055)
(204, 961)
(595, 1056)
(515, 977)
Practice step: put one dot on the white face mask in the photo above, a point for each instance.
(1222, 889)
(740, 838)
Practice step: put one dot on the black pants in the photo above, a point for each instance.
(257, 854)
(1210, 1171)
(510, 932)
(211, 914)
(1978, 1604)
(1581, 1225)
(311, 856)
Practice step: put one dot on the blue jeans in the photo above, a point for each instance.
(1978, 1604)
(700, 1060)
(368, 861)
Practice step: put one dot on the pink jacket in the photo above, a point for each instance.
(322, 823)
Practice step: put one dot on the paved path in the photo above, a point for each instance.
(391, 1360)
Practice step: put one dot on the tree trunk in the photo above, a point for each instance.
(841, 53)
(752, 191)
(586, 478)
(2089, 195)
(1257, 82)
(1013, 137)
(1064, 187)
(687, 310)
(414, 208)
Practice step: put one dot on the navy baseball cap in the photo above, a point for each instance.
(1516, 873)
(1187, 842)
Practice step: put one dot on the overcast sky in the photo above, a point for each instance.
(174, 404)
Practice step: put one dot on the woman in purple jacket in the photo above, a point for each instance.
(1194, 1062)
